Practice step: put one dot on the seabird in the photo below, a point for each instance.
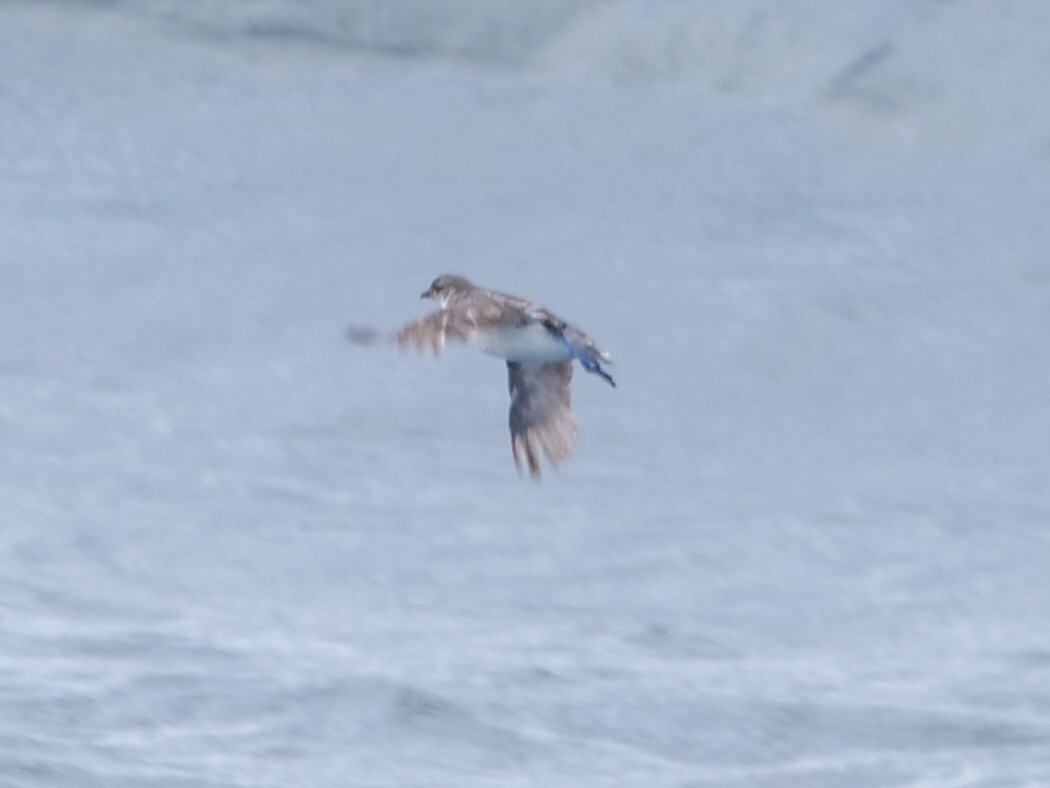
(539, 349)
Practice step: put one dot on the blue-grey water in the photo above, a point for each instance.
(804, 543)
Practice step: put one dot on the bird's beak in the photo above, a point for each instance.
(426, 293)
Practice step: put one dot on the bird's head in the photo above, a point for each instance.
(446, 289)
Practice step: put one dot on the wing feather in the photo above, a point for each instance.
(435, 330)
(541, 420)
(460, 322)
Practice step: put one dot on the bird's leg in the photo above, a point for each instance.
(589, 362)
(591, 365)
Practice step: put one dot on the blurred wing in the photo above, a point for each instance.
(434, 330)
(541, 419)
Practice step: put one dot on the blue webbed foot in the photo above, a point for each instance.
(591, 365)
(589, 362)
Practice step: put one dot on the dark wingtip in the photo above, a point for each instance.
(525, 456)
(362, 335)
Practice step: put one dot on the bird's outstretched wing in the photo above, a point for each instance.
(541, 419)
(434, 330)
(460, 322)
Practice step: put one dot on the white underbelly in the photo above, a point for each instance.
(527, 343)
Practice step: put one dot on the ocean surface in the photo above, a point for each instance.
(804, 544)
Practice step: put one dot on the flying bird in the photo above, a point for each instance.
(539, 349)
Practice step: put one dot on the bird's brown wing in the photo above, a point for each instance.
(459, 322)
(436, 329)
(541, 421)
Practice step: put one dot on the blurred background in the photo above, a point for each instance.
(804, 542)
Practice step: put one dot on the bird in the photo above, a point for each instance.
(539, 349)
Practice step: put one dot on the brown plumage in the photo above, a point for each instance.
(539, 349)
(541, 419)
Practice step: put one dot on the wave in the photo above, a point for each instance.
(948, 68)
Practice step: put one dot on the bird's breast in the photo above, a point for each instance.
(531, 342)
